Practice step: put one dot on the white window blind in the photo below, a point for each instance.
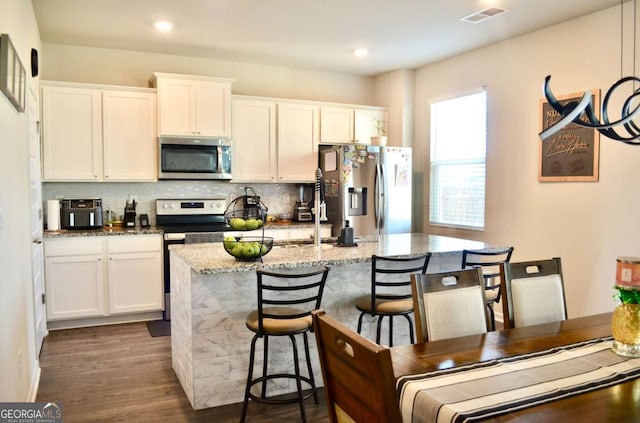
(458, 155)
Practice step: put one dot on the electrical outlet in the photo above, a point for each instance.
(287, 198)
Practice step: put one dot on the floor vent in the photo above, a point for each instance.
(483, 15)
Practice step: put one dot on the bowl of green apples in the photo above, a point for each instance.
(247, 248)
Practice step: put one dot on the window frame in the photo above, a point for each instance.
(442, 163)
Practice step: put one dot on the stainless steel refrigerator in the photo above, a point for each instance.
(368, 186)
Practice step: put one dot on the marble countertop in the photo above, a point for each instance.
(74, 233)
(212, 258)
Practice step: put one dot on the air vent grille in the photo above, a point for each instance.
(483, 15)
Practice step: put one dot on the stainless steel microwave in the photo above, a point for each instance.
(186, 158)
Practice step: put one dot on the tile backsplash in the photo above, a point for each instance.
(279, 198)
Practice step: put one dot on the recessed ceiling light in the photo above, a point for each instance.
(163, 26)
(360, 52)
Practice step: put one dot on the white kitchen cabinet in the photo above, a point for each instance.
(91, 133)
(365, 124)
(348, 125)
(72, 134)
(193, 106)
(298, 136)
(336, 125)
(129, 136)
(101, 276)
(135, 273)
(254, 141)
(74, 278)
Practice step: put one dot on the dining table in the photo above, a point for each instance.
(499, 363)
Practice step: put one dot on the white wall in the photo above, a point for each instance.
(588, 225)
(16, 310)
(395, 90)
(131, 68)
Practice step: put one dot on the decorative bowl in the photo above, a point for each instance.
(248, 248)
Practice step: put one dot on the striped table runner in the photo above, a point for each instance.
(482, 390)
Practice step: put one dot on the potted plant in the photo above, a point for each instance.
(381, 130)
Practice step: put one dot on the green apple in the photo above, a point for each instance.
(238, 224)
(248, 251)
(259, 222)
(230, 242)
(237, 250)
(263, 250)
(252, 224)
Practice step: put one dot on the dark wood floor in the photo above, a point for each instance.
(120, 373)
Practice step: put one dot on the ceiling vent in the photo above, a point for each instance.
(483, 15)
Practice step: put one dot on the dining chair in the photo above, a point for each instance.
(391, 291)
(489, 260)
(357, 373)
(534, 292)
(449, 304)
(285, 301)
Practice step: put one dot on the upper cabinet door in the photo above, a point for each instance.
(72, 134)
(254, 141)
(129, 136)
(298, 135)
(366, 124)
(336, 125)
(213, 109)
(176, 107)
(194, 107)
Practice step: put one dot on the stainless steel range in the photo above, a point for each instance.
(188, 221)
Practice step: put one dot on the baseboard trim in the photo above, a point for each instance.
(107, 320)
(35, 382)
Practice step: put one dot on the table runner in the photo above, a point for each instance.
(486, 389)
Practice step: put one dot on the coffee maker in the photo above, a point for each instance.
(302, 208)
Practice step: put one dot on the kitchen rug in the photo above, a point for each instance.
(159, 328)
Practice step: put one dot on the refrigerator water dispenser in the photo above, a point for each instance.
(357, 201)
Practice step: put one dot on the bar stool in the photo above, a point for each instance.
(391, 291)
(285, 302)
(489, 261)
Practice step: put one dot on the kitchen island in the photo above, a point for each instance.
(212, 293)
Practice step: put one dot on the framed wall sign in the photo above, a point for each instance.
(13, 78)
(573, 153)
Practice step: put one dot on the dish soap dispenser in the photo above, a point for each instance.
(346, 234)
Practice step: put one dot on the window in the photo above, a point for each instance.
(458, 154)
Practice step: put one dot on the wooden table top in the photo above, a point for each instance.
(619, 403)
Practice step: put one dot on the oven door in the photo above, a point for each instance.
(194, 159)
